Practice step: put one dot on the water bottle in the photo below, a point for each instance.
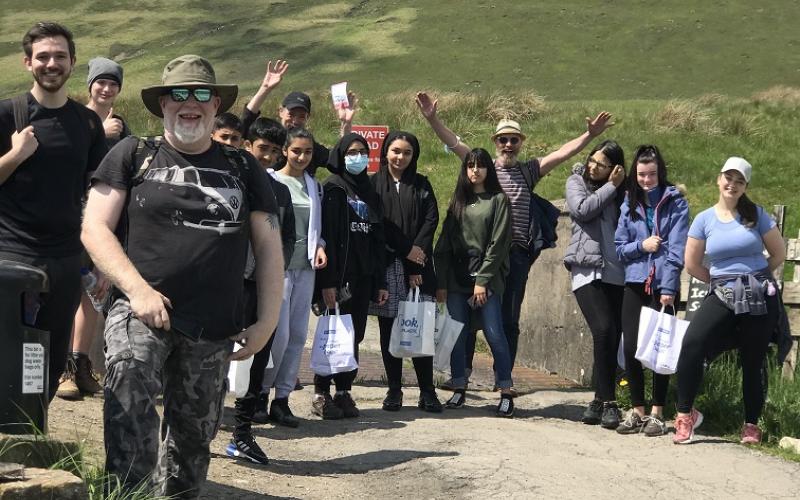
(89, 281)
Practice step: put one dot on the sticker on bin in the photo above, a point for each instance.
(32, 368)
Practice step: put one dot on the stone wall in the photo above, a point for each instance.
(553, 334)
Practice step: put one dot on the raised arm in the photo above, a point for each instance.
(427, 107)
(103, 209)
(593, 129)
(346, 115)
(272, 78)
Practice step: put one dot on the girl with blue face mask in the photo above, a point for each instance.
(352, 229)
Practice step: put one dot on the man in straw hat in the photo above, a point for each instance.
(518, 178)
(183, 216)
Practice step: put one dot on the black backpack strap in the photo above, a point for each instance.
(146, 150)
(235, 158)
(20, 105)
(526, 174)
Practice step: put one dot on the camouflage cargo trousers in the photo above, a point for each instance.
(142, 365)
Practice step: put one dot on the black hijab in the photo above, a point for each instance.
(355, 185)
(399, 208)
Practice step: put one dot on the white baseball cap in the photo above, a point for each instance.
(740, 165)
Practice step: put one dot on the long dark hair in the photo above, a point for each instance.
(646, 153)
(613, 152)
(464, 194)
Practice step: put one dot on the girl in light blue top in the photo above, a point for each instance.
(742, 300)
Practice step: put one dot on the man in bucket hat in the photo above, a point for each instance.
(517, 179)
(183, 216)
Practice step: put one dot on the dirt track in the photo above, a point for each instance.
(545, 452)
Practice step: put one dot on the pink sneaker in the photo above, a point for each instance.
(751, 434)
(685, 426)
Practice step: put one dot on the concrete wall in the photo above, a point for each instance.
(553, 334)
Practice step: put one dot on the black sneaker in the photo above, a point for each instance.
(245, 446)
(393, 401)
(611, 415)
(506, 406)
(323, 407)
(429, 401)
(593, 413)
(281, 414)
(345, 402)
(261, 416)
(456, 400)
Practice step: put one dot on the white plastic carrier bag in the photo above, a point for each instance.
(334, 341)
(413, 327)
(445, 335)
(660, 339)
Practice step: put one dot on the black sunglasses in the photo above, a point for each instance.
(200, 95)
(514, 140)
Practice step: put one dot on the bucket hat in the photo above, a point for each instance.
(188, 71)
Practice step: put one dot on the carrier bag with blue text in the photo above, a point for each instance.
(334, 341)
(412, 331)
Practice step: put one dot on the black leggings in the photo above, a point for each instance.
(712, 321)
(357, 307)
(423, 366)
(633, 300)
(245, 407)
(601, 305)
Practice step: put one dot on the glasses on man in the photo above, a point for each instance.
(594, 163)
(513, 140)
(200, 95)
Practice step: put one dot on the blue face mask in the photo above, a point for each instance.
(356, 164)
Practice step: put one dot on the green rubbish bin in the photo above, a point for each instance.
(24, 350)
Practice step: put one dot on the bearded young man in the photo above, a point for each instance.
(187, 216)
(44, 169)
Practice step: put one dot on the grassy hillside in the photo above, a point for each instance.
(698, 79)
(581, 49)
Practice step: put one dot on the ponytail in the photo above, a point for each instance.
(747, 211)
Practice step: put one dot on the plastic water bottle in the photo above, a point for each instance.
(89, 281)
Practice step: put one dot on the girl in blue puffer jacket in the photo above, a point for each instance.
(650, 241)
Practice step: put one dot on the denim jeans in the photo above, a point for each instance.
(517, 280)
(492, 330)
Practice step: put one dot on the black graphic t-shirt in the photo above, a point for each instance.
(188, 228)
(40, 203)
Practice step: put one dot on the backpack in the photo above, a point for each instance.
(543, 220)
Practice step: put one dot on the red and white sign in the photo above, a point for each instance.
(374, 134)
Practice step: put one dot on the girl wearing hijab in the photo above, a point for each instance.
(352, 228)
(410, 219)
(471, 260)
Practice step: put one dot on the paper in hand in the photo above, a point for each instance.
(339, 95)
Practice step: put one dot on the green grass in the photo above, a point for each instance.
(582, 49)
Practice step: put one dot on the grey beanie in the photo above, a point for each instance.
(100, 67)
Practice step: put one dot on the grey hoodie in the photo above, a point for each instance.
(594, 217)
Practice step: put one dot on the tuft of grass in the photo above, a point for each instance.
(779, 94)
(686, 116)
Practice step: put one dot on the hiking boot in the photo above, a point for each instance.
(633, 424)
(67, 388)
(456, 400)
(593, 413)
(85, 377)
(506, 406)
(429, 401)
(323, 406)
(281, 414)
(685, 427)
(261, 415)
(393, 401)
(751, 434)
(245, 446)
(345, 402)
(611, 415)
(654, 426)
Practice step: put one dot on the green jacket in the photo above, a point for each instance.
(485, 230)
